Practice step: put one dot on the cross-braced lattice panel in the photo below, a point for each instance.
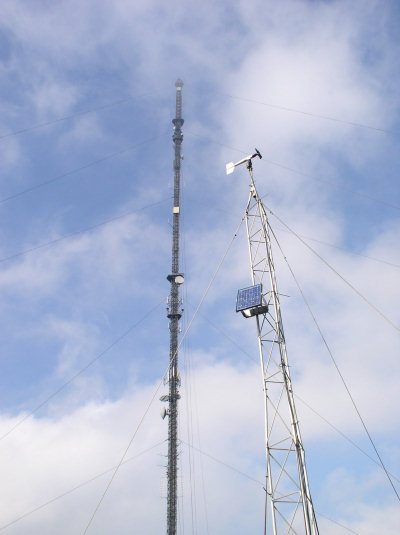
(289, 504)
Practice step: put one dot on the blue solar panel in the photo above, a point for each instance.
(249, 297)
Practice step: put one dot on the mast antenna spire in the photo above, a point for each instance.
(174, 314)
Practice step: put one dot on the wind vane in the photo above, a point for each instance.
(230, 167)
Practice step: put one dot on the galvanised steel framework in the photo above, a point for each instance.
(174, 315)
(289, 506)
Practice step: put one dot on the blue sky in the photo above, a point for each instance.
(256, 74)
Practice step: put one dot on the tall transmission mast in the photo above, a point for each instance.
(174, 315)
(289, 508)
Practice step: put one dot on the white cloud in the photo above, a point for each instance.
(49, 456)
(104, 252)
(71, 450)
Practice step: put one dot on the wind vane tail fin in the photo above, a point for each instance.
(230, 167)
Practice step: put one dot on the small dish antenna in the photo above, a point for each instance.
(230, 167)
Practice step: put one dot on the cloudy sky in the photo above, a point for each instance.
(87, 98)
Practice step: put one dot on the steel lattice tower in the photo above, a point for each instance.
(289, 507)
(174, 315)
